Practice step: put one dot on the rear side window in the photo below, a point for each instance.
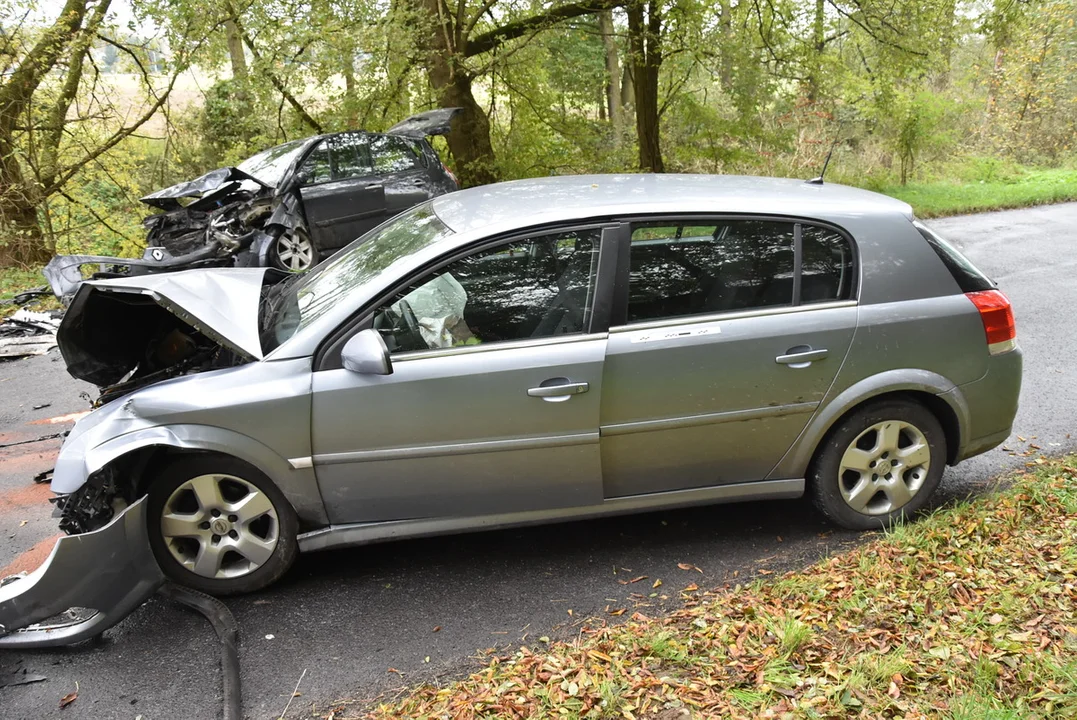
(968, 276)
(393, 154)
(699, 268)
(826, 266)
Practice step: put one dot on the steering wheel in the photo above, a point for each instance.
(400, 328)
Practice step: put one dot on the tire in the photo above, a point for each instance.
(293, 252)
(255, 542)
(879, 465)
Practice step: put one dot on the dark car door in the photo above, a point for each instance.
(401, 164)
(342, 195)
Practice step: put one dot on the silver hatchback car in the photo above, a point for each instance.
(537, 351)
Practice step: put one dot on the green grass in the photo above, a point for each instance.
(1023, 189)
(15, 280)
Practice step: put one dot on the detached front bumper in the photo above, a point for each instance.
(110, 572)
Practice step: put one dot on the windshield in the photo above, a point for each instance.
(297, 302)
(269, 165)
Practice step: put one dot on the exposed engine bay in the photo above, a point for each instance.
(153, 345)
(226, 218)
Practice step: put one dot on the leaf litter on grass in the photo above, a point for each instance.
(969, 613)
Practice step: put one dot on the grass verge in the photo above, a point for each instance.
(1027, 188)
(968, 614)
(16, 280)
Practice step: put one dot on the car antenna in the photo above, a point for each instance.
(826, 163)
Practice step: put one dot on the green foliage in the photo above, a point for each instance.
(954, 105)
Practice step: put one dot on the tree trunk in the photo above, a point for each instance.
(613, 76)
(351, 102)
(628, 88)
(815, 71)
(235, 50)
(21, 239)
(645, 31)
(725, 58)
(469, 139)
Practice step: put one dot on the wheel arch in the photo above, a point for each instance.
(134, 456)
(933, 391)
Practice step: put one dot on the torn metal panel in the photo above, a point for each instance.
(110, 572)
(215, 182)
(28, 333)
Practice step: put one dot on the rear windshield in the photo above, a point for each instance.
(968, 276)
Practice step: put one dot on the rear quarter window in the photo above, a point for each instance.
(968, 276)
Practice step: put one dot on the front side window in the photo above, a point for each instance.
(316, 168)
(696, 269)
(350, 154)
(532, 288)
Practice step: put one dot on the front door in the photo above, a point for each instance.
(493, 402)
(726, 350)
(342, 196)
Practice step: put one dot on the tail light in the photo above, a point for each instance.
(449, 173)
(997, 317)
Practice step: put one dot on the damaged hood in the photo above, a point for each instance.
(169, 198)
(110, 323)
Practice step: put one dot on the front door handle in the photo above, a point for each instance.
(801, 356)
(560, 390)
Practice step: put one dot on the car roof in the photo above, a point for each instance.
(525, 203)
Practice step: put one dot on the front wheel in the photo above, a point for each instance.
(293, 252)
(880, 464)
(220, 526)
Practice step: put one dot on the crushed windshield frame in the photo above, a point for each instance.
(291, 305)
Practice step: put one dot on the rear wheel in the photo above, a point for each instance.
(880, 464)
(220, 526)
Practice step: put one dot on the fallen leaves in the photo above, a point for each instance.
(70, 697)
(908, 626)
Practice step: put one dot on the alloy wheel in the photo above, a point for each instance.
(295, 252)
(220, 526)
(884, 467)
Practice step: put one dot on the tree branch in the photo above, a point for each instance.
(510, 31)
(277, 83)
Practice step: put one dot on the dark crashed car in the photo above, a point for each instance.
(286, 207)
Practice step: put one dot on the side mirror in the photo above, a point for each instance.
(303, 177)
(366, 353)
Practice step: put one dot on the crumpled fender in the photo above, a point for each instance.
(78, 460)
(795, 461)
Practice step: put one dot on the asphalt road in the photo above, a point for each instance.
(362, 622)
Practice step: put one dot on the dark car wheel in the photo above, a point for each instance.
(220, 526)
(878, 465)
(293, 252)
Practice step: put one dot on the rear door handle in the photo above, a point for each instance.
(563, 390)
(801, 356)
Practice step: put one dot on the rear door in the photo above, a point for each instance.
(733, 330)
(401, 164)
(342, 195)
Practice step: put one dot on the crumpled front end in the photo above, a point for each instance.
(89, 583)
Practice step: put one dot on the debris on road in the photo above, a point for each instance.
(28, 333)
(44, 476)
(21, 678)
